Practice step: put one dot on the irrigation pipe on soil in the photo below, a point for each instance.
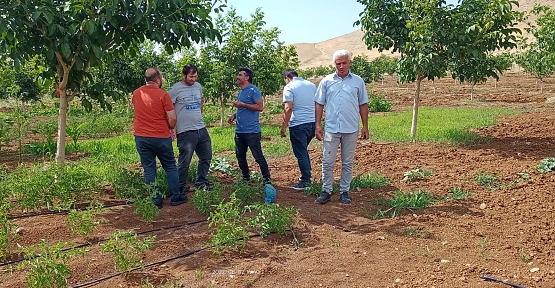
(106, 239)
(148, 265)
(62, 211)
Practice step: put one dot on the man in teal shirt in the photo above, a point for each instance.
(248, 135)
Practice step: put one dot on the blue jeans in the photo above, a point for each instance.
(197, 141)
(251, 141)
(150, 148)
(300, 136)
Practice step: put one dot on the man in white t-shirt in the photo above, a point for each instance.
(298, 99)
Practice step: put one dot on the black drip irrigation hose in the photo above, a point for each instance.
(62, 211)
(492, 279)
(106, 239)
(187, 254)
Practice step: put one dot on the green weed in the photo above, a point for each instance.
(377, 103)
(271, 218)
(417, 174)
(524, 257)
(206, 201)
(489, 181)
(409, 201)
(84, 222)
(458, 193)
(415, 232)
(371, 180)
(48, 264)
(546, 165)
(248, 193)
(127, 248)
(231, 231)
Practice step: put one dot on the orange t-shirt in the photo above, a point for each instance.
(151, 104)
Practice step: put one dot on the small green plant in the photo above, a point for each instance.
(525, 257)
(256, 177)
(249, 282)
(7, 230)
(198, 273)
(231, 231)
(127, 248)
(84, 222)
(458, 193)
(377, 103)
(417, 174)
(248, 193)
(336, 242)
(272, 218)
(484, 251)
(48, 264)
(205, 200)
(489, 181)
(415, 232)
(221, 165)
(75, 131)
(546, 165)
(371, 180)
(409, 201)
(366, 212)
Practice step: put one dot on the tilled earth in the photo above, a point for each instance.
(507, 233)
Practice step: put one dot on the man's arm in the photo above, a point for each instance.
(363, 110)
(288, 111)
(319, 111)
(172, 118)
(257, 106)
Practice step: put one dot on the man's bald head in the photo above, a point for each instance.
(152, 74)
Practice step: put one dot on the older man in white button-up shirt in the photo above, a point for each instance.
(345, 97)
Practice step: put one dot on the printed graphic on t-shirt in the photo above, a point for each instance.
(191, 101)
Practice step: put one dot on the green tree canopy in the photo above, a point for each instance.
(432, 36)
(75, 35)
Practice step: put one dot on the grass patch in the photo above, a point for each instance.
(370, 180)
(401, 200)
(444, 125)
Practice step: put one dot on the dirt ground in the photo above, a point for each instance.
(489, 233)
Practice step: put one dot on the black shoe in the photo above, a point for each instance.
(188, 189)
(324, 198)
(267, 181)
(205, 186)
(301, 185)
(345, 198)
(182, 199)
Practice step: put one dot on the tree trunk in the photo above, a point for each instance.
(128, 98)
(222, 112)
(472, 92)
(434, 85)
(541, 86)
(419, 78)
(62, 123)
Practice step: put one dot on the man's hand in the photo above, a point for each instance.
(238, 104)
(364, 134)
(173, 135)
(283, 129)
(319, 132)
(231, 119)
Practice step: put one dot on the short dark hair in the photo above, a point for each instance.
(151, 74)
(189, 68)
(290, 73)
(248, 72)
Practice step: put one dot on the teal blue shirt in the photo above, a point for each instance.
(247, 121)
(342, 98)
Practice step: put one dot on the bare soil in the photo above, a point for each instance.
(489, 233)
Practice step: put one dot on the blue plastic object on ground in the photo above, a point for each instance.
(270, 193)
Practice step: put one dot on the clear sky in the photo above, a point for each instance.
(308, 21)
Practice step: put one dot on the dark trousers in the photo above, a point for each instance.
(197, 141)
(151, 148)
(252, 142)
(300, 136)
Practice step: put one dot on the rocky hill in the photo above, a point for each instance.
(319, 54)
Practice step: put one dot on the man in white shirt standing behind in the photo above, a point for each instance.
(298, 99)
(192, 135)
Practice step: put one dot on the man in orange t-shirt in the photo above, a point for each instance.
(154, 118)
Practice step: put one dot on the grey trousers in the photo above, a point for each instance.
(348, 143)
